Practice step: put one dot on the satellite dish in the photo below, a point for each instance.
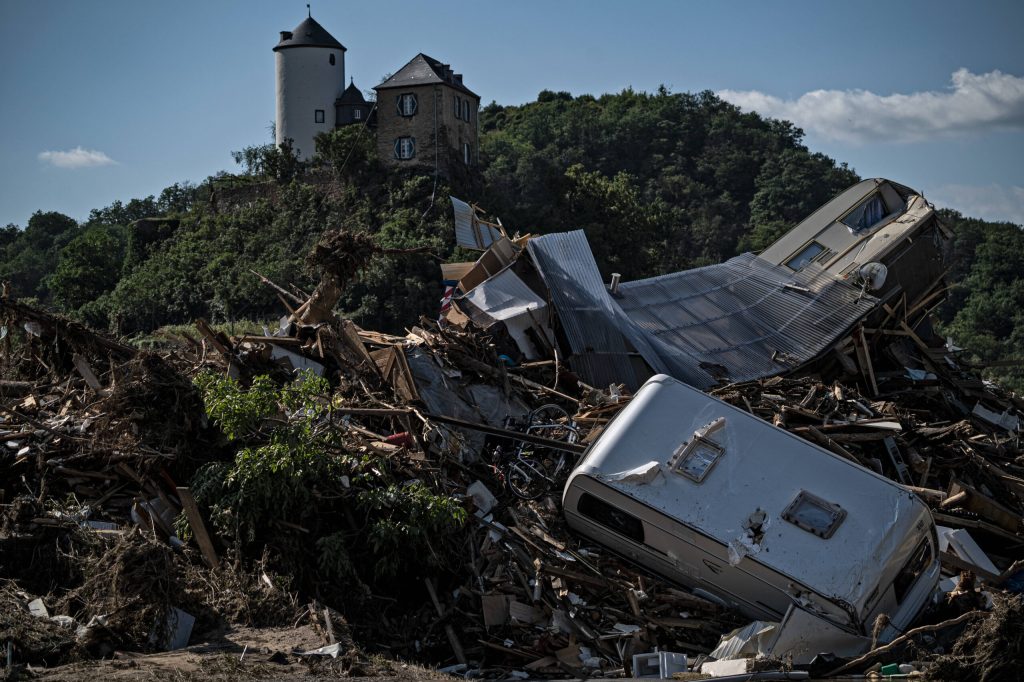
(873, 275)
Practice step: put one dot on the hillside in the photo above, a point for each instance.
(660, 182)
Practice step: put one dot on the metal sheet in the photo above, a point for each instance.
(470, 232)
(743, 319)
(504, 296)
(600, 336)
(736, 321)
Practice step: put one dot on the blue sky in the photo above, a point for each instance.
(118, 99)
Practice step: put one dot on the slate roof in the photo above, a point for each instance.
(309, 34)
(352, 95)
(424, 70)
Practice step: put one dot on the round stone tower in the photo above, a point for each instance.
(310, 66)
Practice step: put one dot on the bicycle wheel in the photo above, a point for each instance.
(526, 479)
(552, 421)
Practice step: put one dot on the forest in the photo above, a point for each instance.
(660, 182)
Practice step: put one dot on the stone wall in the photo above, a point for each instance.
(451, 132)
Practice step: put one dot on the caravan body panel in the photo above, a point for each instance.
(705, 534)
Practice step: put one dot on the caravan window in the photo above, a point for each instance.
(696, 463)
(814, 514)
(920, 560)
(611, 517)
(806, 255)
(867, 214)
(695, 458)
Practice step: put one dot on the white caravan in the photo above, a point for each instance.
(711, 497)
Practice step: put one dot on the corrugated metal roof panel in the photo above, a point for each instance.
(739, 320)
(470, 232)
(600, 335)
(750, 317)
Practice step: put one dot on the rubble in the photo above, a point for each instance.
(106, 512)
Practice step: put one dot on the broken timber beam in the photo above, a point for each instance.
(195, 522)
(452, 421)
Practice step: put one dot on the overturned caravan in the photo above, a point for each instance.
(752, 516)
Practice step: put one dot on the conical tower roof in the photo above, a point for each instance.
(352, 95)
(308, 34)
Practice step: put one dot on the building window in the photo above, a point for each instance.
(357, 115)
(331, 59)
(465, 110)
(805, 256)
(407, 104)
(318, 116)
(458, 107)
(611, 517)
(405, 147)
(467, 153)
(814, 514)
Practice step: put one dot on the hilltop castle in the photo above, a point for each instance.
(424, 115)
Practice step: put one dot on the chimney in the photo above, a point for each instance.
(458, 78)
(286, 35)
(613, 288)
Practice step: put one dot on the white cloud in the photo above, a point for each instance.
(973, 103)
(989, 202)
(76, 158)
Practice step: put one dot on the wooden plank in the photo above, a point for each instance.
(960, 522)
(864, 360)
(832, 445)
(986, 507)
(453, 639)
(195, 522)
(204, 328)
(82, 365)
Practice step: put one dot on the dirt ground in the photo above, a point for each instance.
(267, 655)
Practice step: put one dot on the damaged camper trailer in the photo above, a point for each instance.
(715, 499)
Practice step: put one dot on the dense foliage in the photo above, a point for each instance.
(292, 470)
(660, 182)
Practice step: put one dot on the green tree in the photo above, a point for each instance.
(88, 267)
(32, 255)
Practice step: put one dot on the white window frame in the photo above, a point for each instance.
(805, 499)
(700, 450)
(466, 151)
(407, 104)
(319, 116)
(357, 114)
(405, 148)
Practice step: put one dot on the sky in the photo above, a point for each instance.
(116, 99)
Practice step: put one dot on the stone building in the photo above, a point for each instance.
(424, 114)
(427, 117)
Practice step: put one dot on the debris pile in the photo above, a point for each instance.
(402, 493)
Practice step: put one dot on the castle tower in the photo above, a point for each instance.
(310, 67)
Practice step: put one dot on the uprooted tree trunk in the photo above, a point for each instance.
(340, 257)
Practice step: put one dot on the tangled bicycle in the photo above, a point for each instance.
(529, 469)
